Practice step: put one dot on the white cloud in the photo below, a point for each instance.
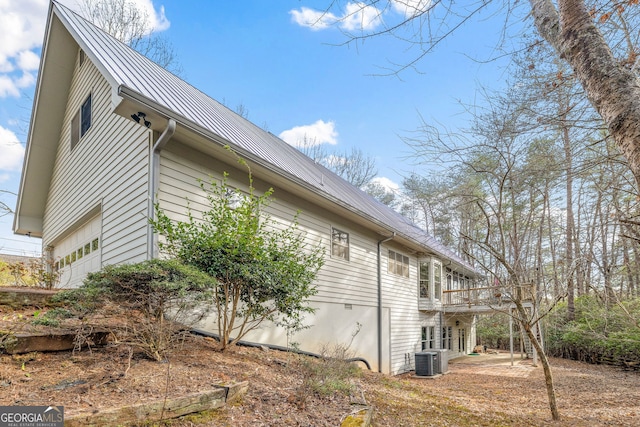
(21, 30)
(4, 177)
(12, 151)
(388, 184)
(314, 19)
(22, 24)
(5, 65)
(357, 16)
(26, 80)
(410, 8)
(8, 87)
(157, 19)
(320, 132)
(27, 60)
(21, 27)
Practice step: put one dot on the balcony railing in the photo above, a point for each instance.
(489, 296)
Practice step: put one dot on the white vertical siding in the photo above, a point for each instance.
(107, 169)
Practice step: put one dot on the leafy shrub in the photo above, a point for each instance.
(493, 331)
(52, 317)
(599, 333)
(34, 272)
(264, 269)
(159, 300)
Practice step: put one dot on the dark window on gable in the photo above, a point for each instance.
(85, 113)
(81, 122)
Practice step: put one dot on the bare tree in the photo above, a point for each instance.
(382, 194)
(354, 166)
(571, 27)
(510, 198)
(5, 209)
(610, 84)
(129, 24)
(429, 205)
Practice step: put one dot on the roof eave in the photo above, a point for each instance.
(160, 115)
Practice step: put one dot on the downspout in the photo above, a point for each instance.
(380, 300)
(154, 182)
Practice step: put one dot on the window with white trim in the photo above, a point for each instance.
(428, 339)
(425, 279)
(437, 281)
(398, 264)
(78, 254)
(339, 244)
(447, 336)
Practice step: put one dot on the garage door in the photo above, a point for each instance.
(78, 254)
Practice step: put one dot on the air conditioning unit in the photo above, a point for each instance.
(443, 360)
(427, 364)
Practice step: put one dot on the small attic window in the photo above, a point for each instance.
(81, 122)
(82, 57)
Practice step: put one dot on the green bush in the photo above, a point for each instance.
(493, 331)
(599, 334)
(52, 317)
(159, 300)
(264, 268)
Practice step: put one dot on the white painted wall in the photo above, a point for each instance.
(347, 290)
(100, 189)
(106, 171)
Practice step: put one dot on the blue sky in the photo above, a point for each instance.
(293, 78)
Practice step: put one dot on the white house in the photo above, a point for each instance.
(111, 132)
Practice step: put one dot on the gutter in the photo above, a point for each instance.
(186, 123)
(380, 242)
(154, 183)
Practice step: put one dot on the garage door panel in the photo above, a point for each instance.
(79, 253)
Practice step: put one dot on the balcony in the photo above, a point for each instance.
(482, 299)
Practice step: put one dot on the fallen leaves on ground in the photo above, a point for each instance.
(470, 395)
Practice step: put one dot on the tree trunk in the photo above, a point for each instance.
(570, 268)
(526, 325)
(612, 89)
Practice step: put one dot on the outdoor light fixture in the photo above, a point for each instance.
(234, 200)
(141, 117)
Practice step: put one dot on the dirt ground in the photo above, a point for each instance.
(484, 390)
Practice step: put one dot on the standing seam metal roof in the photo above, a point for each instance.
(124, 66)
